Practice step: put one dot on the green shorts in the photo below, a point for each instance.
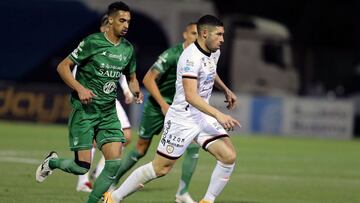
(152, 121)
(85, 126)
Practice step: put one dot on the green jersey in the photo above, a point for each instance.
(100, 65)
(166, 65)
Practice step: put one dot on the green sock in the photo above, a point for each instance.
(130, 160)
(188, 167)
(68, 166)
(105, 179)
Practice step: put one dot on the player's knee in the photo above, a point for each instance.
(231, 158)
(162, 170)
(228, 158)
(142, 148)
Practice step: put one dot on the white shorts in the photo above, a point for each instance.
(177, 135)
(124, 120)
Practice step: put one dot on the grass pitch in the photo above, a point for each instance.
(269, 169)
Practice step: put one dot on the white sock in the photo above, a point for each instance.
(219, 179)
(83, 179)
(100, 166)
(135, 181)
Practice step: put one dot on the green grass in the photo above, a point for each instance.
(269, 169)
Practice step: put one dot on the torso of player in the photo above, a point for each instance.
(100, 65)
(194, 63)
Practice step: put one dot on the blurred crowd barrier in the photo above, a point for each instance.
(289, 116)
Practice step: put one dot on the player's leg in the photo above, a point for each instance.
(109, 139)
(171, 146)
(151, 124)
(80, 139)
(83, 183)
(188, 168)
(214, 139)
(132, 157)
(160, 166)
(223, 150)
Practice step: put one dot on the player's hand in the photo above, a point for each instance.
(139, 97)
(228, 122)
(129, 97)
(86, 95)
(231, 99)
(165, 108)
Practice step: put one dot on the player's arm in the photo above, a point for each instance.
(149, 82)
(229, 95)
(129, 97)
(192, 97)
(135, 88)
(64, 70)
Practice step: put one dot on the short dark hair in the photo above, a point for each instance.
(117, 6)
(208, 20)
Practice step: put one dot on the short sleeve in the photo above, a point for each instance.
(188, 66)
(82, 52)
(164, 62)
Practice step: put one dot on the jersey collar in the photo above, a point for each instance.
(201, 50)
(105, 35)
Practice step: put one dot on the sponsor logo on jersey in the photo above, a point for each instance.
(187, 69)
(109, 87)
(169, 149)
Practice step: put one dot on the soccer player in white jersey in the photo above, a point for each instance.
(190, 117)
(84, 184)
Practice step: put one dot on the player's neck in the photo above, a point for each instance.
(200, 44)
(113, 39)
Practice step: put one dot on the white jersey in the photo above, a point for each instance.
(195, 63)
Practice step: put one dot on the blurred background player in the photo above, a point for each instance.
(100, 64)
(84, 184)
(160, 82)
(191, 117)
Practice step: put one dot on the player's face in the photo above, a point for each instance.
(120, 23)
(190, 34)
(215, 38)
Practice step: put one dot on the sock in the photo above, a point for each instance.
(68, 166)
(188, 167)
(104, 180)
(100, 166)
(219, 179)
(82, 179)
(130, 160)
(135, 181)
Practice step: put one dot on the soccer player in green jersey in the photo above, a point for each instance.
(160, 82)
(101, 58)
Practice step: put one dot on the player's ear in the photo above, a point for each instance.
(184, 35)
(205, 33)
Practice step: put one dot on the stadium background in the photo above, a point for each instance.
(322, 38)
